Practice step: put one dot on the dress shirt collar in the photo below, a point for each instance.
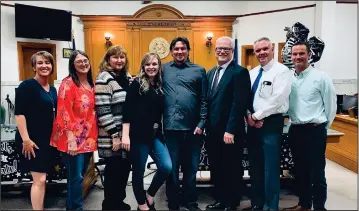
(268, 66)
(224, 66)
(304, 72)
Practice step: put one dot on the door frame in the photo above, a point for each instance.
(21, 45)
(280, 47)
(244, 54)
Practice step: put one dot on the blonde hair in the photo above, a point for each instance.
(114, 50)
(143, 77)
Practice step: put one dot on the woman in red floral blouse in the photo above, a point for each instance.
(75, 129)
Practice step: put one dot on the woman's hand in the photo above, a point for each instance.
(71, 144)
(28, 148)
(72, 147)
(125, 143)
(116, 144)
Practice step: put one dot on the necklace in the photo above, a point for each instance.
(52, 102)
(49, 95)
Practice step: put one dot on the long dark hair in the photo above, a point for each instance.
(73, 71)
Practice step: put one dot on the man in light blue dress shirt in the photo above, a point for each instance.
(271, 84)
(312, 109)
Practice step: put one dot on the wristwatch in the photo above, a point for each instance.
(115, 135)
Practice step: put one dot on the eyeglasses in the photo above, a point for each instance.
(219, 49)
(85, 61)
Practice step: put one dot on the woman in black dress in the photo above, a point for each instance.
(35, 109)
(142, 129)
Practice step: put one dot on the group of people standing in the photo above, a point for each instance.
(164, 112)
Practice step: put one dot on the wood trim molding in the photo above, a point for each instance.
(162, 7)
(20, 45)
(180, 15)
(243, 53)
(156, 15)
(347, 2)
(279, 10)
(280, 46)
(347, 119)
(7, 5)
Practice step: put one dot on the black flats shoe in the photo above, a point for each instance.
(151, 206)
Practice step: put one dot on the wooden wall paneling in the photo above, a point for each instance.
(98, 43)
(149, 22)
(137, 57)
(89, 49)
(148, 34)
(202, 55)
(129, 49)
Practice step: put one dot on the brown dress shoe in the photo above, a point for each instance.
(296, 207)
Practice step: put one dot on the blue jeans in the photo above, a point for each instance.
(76, 167)
(264, 146)
(139, 154)
(185, 149)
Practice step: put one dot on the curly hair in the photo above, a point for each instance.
(143, 77)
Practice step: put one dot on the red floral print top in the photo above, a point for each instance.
(76, 120)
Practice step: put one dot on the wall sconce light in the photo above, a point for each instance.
(209, 41)
(108, 41)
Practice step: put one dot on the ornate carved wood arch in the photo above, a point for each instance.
(158, 15)
(158, 11)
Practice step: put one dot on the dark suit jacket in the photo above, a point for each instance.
(227, 104)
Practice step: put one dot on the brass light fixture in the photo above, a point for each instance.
(209, 41)
(108, 41)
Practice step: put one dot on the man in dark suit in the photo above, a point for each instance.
(228, 99)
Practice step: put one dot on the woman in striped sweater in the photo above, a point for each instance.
(110, 94)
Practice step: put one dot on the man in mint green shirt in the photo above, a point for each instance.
(312, 108)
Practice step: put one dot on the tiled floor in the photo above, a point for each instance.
(342, 194)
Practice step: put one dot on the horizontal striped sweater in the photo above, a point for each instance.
(109, 100)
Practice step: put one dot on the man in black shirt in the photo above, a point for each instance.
(185, 113)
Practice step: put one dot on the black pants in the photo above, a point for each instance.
(226, 168)
(117, 171)
(308, 144)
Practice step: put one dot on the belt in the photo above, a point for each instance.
(308, 125)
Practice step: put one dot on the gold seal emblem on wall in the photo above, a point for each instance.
(160, 46)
